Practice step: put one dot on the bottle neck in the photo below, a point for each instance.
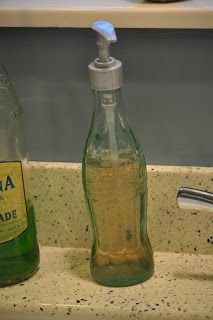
(110, 130)
(12, 142)
(109, 103)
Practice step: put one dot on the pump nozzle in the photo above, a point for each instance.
(106, 35)
(105, 72)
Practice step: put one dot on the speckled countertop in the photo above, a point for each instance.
(180, 289)
(182, 286)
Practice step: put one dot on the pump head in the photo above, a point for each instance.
(105, 72)
(105, 36)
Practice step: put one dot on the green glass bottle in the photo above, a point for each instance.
(114, 179)
(19, 252)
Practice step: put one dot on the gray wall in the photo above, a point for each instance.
(168, 90)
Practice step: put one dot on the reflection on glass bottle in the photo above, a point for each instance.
(115, 185)
(19, 252)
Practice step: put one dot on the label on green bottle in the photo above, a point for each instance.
(13, 211)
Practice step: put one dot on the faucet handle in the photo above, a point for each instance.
(195, 199)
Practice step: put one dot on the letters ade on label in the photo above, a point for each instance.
(5, 186)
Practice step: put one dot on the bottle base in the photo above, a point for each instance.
(18, 279)
(121, 275)
(18, 269)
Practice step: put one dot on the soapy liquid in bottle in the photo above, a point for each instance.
(116, 196)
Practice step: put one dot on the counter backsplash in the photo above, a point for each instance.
(62, 218)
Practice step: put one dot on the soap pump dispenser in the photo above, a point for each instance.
(114, 178)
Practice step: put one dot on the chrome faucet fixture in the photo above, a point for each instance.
(188, 198)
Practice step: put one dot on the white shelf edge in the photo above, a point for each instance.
(191, 14)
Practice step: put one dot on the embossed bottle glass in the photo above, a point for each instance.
(114, 178)
(19, 252)
(115, 185)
